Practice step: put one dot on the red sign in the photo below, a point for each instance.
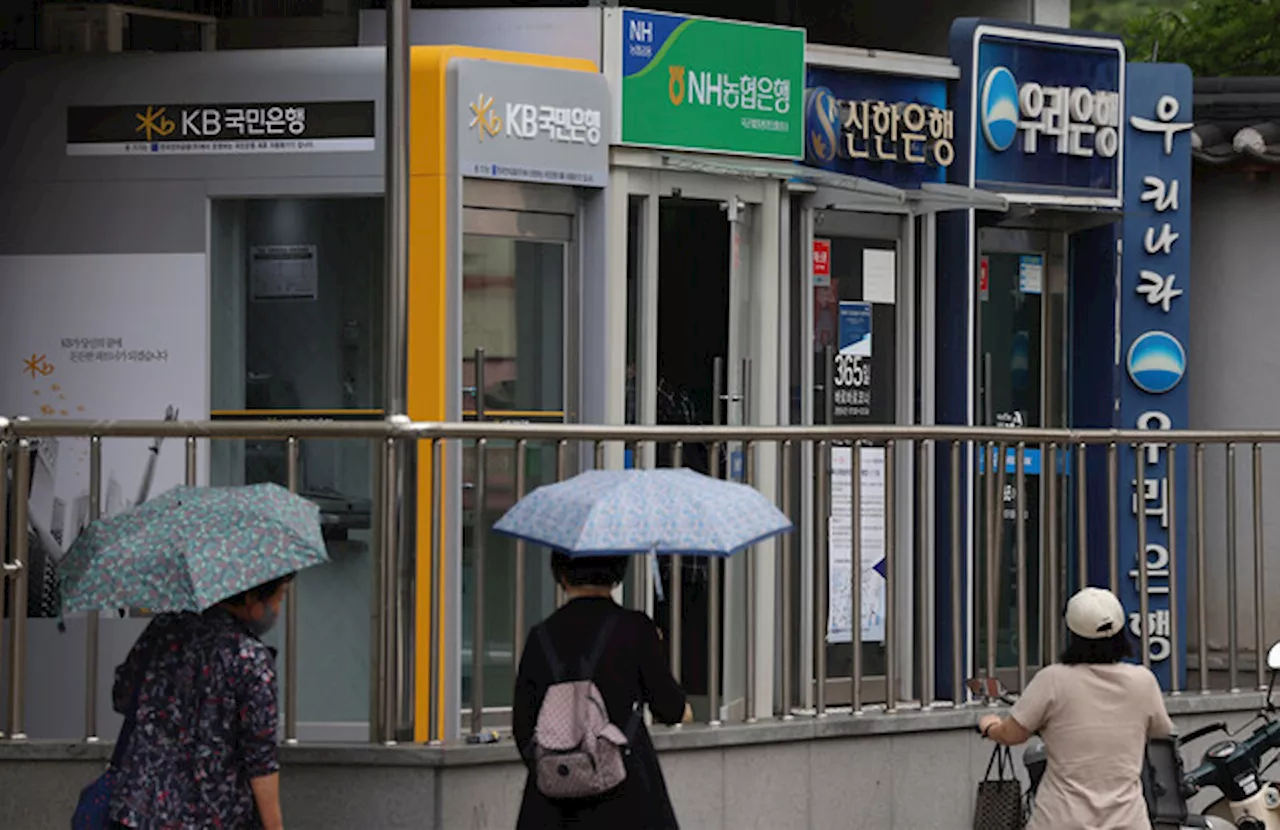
(984, 277)
(821, 260)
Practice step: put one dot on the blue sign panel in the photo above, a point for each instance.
(889, 128)
(1154, 324)
(1040, 112)
(855, 328)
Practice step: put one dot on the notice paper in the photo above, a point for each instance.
(840, 546)
(1031, 274)
(283, 272)
(879, 276)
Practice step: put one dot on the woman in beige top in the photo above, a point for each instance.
(1094, 713)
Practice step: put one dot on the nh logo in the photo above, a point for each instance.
(642, 31)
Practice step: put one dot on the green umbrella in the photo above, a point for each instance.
(191, 548)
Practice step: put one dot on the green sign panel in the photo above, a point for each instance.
(698, 84)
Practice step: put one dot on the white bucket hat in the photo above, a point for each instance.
(1095, 614)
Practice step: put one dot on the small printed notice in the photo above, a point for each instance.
(822, 262)
(855, 329)
(879, 276)
(1031, 274)
(283, 272)
(871, 585)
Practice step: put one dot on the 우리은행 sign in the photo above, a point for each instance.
(700, 84)
(1155, 323)
(1040, 112)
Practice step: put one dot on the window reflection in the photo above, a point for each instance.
(514, 308)
(297, 301)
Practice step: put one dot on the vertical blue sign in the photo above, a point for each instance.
(1155, 296)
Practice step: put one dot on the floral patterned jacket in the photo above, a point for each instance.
(205, 725)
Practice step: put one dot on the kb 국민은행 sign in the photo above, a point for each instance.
(531, 123)
(221, 129)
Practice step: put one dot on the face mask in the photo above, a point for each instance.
(261, 626)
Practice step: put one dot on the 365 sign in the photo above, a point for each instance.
(700, 84)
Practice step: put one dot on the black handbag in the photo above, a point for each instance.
(999, 802)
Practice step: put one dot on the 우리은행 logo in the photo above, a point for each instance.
(999, 105)
(1157, 362)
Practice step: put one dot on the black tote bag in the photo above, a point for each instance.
(999, 802)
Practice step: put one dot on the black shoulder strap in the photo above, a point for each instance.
(588, 663)
(597, 651)
(549, 651)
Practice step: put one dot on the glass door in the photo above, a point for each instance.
(702, 350)
(856, 374)
(516, 312)
(1022, 377)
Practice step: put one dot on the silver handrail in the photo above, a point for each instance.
(924, 447)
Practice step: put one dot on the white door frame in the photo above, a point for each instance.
(638, 173)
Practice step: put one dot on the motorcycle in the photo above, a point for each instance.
(1164, 786)
(1235, 768)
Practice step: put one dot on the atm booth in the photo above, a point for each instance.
(202, 236)
(863, 315)
(1042, 303)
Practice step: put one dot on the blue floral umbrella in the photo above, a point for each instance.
(191, 548)
(617, 512)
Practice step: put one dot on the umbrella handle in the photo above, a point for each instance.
(657, 577)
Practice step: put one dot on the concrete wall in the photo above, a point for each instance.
(924, 26)
(874, 772)
(53, 203)
(921, 26)
(1233, 360)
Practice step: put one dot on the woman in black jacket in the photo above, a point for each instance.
(631, 672)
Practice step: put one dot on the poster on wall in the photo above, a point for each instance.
(283, 272)
(840, 546)
(100, 337)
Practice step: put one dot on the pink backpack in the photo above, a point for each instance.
(577, 751)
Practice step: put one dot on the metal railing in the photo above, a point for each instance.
(946, 494)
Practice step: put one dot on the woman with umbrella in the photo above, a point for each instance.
(593, 654)
(201, 689)
(629, 671)
(198, 690)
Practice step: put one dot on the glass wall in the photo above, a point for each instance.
(514, 308)
(297, 317)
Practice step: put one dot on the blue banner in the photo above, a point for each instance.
(1155, 321)
(890, 128)
(1040, 110)
(1031, 463)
